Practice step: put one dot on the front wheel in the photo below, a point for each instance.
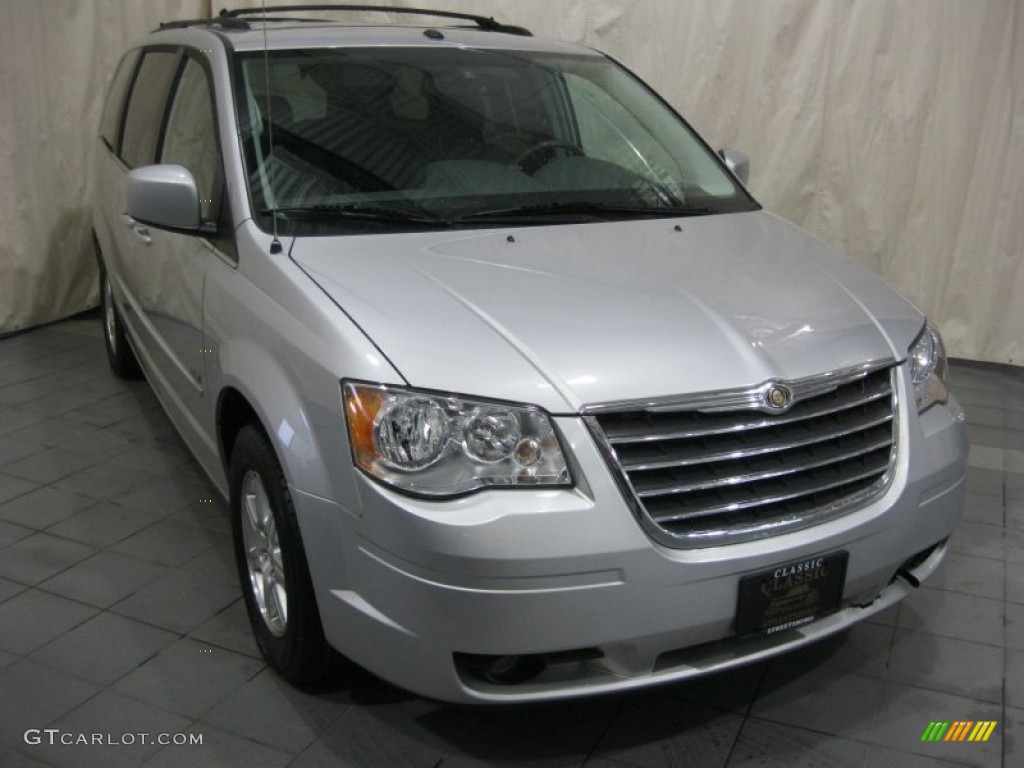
(272, 566)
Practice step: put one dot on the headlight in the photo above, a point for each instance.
(928, 369)
(440, 445)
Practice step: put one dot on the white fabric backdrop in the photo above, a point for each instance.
(893, 129)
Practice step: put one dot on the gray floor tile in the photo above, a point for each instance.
(985, 481)
(185, 487)
(980, 435)
(12, 759)
(10, 533)
(1015, 582)
(179, 601)
(1014, 486)
(1015, 514)
(6, 659)
(982, 508)
(986, 416)
(187, 679)
(104, 524)
(887, 617)
(42, 508)
(1015, 626)
(943, 664)
(158, 459)
(104, 579)
(171, 543)
(54, 431)
(1014, 671)
(22, 394)
(40, 556)
(50, 465)
(645, 732)
(969, 575)
(12, 449)
(978, 540)
(102, 442)
(368, 737)
(884, 757)
(209, 513)
(1013, 737)
(1014, 543)
(949, 614)
(229, 629)
(217, 564)
(823, 700)
(569, 729)
(9, 589)
(12, 487)
(763, 744)
(104, 480)
(108, 411)
(134, 728)
(60, 402)
(219, 750)
(104, 648)
(269, 710)
(906, 711)
(34, 696)
(33, 618)
(14, 419)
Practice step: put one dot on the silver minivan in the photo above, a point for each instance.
(515, 391)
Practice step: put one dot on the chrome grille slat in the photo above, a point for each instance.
(758, 449)
(760, 502)
(768, 474)
(708, 476)
(725, 423)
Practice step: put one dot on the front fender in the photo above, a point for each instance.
(281, 343)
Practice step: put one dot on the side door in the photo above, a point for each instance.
(129, 267)
(172, 265)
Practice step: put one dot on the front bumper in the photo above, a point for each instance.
(405, 585)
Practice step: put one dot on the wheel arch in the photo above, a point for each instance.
(255, 389)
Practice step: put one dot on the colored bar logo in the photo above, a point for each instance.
(959, 730)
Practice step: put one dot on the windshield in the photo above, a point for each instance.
(390, 137)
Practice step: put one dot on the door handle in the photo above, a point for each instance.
(128, 220)
(142, 233)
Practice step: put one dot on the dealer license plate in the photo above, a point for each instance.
(790, 595)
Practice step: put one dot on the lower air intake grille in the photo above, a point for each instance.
(723, 470)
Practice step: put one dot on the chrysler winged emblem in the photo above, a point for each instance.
(778, 397)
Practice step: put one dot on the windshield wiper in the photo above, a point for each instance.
(360, 211)
(575, 208)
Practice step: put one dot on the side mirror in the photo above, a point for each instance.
(163, 196)
(736, 162)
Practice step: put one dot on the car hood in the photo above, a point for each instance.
(572, 315)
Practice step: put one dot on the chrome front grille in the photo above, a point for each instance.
(722, 468)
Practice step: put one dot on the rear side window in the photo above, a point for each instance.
(146, 107)
(191, 136)
(111, 121)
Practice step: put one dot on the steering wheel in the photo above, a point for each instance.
(532, 159)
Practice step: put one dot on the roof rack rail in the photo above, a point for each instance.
(485, 23)
(227, 23)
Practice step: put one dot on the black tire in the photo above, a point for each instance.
(287, 628)
(119, 352)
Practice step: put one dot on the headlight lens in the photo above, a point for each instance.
(439, 445)
(928, 369)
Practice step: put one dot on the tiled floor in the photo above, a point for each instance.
(120, 615)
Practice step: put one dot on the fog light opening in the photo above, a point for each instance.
(505, 670)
